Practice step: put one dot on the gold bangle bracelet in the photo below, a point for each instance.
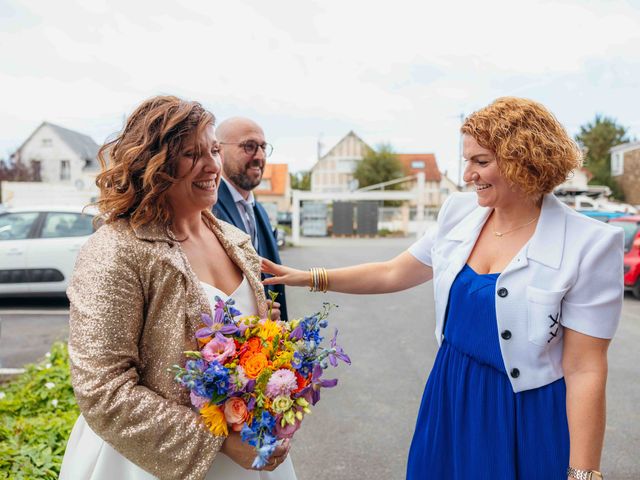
(325, 280)
(318, 279)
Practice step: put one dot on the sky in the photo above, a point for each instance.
(309, 71)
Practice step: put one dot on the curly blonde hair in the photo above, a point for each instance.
(140, 164)
(533, 150)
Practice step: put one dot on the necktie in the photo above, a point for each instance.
(251, 220)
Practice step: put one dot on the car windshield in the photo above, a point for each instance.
(630, 230)
(16, 226)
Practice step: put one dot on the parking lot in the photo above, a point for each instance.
(362, 428)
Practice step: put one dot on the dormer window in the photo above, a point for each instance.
(417, 164)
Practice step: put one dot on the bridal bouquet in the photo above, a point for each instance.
(258, 376)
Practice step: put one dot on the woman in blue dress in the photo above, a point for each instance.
(528, 294)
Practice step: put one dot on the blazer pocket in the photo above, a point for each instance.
(544, 312)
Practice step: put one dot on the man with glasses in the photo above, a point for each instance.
(244, 153)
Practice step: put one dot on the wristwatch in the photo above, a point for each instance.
(584, 474)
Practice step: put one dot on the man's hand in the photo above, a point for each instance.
(274, 307)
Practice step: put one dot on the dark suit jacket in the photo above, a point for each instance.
(227, 211)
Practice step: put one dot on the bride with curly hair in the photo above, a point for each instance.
(139, 288)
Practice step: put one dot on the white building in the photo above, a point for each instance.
(59, 155)
(334, 171)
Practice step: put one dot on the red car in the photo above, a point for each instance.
(631, 227)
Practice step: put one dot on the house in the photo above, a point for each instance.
(413, 163)
(333, 172)
(625, 170)
(59, 155)
(274, 191)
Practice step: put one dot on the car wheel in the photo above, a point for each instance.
(636, 289)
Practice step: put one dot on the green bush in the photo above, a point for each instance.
(37, 413)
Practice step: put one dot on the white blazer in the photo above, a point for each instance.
(569, 275)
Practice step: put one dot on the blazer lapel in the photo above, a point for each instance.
(226, 203)
(547, 243)
(466, 232)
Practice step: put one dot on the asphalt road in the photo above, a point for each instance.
(363, 427)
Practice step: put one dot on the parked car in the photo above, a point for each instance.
(602, 216)
(284, 218)
(281, 237)
(631, 227)
(38, 248)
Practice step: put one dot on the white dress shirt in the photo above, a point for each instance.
(238, 199)
(569, 274)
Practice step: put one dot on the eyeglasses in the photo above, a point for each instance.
(251, 147)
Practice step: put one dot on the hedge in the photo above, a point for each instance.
(37, 413)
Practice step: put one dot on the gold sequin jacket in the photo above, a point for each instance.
(135, 306)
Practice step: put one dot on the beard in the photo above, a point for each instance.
(244, 181)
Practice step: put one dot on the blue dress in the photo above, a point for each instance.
(471, 424)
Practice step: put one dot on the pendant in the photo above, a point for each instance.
(498, 234)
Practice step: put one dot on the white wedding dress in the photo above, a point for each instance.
(88, 457)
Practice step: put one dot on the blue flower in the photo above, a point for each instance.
(259, 435)
(213, 383)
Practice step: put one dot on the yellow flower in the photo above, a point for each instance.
(213, 417)
(283, 357)
(269, 329)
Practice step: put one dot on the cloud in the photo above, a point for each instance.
(399, 72)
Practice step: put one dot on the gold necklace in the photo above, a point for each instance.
(502, 234)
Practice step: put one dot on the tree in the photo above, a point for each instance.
(378, 166)
(300, 180)
(15, 172)
(597, 139)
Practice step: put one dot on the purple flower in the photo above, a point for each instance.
(215, 325)
(311, 393)
(338, 353)
(297, 332)
(198, 401)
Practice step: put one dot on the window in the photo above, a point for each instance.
(265, 184)
(617, 163)
(46, 142)
(346, 165)
(16, 226)
(65, 170)
(417, 164)
(61, 224)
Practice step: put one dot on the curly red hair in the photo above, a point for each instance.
(139, 165)
(533, 150)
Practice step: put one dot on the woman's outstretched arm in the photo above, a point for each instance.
(399, 273)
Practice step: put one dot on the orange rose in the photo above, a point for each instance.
(235, 412)
(254, 365)
(251, 346)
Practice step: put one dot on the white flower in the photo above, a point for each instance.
(48, 354)
(48, 365)
(49, 385)
(54, 402)
(2, 395)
